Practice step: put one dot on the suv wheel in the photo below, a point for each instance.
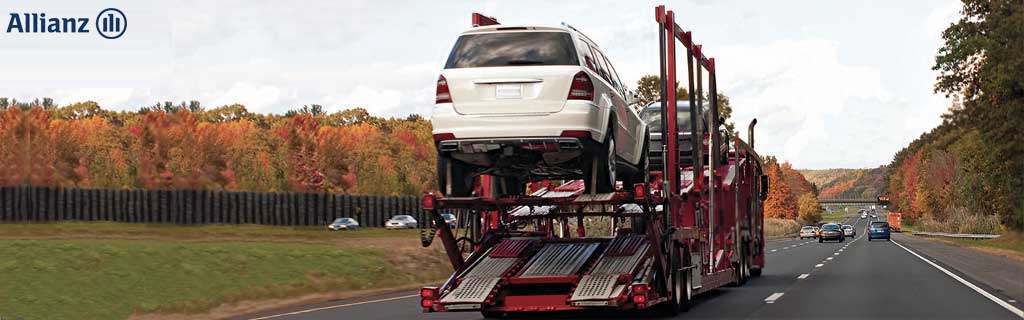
(599, 175)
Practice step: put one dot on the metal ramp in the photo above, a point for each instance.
(559, 259)
(480, 280)
(621, 257)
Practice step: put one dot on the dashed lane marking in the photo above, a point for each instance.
(819, 265)
(829, 258)
(804, 276)
(773, 250)
(773, 297)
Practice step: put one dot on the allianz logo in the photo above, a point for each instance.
(110, 23)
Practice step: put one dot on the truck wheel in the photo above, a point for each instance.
(681, 291)
(599, 175)
(756, 272)
(460, 185)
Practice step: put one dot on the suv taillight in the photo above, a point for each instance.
(443, 95)
(582, 88)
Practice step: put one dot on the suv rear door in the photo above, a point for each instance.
(511, 70)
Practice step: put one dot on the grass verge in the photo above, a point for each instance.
(112, 270)
(777, 228)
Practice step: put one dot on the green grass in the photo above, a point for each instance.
(70, 271)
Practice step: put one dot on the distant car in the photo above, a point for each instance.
(401, 222)
(863, 215)
(831, 231)
(450, 219)
(873, 216)
(808, 232)
(878, 230)
(343, 224)
(849, 231)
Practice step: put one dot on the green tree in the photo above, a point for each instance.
(648, 90)
(981, 63)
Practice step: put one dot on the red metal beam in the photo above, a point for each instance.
(480, 20)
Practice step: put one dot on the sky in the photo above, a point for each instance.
(833, 84)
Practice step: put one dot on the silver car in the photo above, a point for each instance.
(401, 222)
(343, 224)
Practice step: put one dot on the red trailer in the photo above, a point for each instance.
(649, 245)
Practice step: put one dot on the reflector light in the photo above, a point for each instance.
(576, 134)
(426, 303)
(438, 137)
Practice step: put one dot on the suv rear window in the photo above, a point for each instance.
(512, 49)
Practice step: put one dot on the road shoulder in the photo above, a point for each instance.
(1000, 273)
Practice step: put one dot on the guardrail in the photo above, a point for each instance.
(956, 235)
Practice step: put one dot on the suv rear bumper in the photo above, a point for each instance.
(574, 116)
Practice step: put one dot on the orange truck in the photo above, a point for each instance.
(895, 220)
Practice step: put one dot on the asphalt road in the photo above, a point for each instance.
(855, 279)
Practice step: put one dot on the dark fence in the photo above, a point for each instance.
(40, 204)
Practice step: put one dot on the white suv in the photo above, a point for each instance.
(531, 103)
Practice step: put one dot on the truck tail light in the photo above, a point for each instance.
(443, 95)
(580, 89)
(428, 292)
(640, 295)
(428, 204)
(640, 191)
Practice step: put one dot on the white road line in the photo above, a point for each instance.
(335, 307)
(773, 250)
(977, 289)
(829, 258)
(804, 276)
(819, 265)
(773, 297)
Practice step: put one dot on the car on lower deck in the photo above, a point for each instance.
(527, 103)
(879, 230)
(831, 231)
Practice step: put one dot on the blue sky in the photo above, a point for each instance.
(832, 83)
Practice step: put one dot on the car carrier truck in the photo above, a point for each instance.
(647, 246)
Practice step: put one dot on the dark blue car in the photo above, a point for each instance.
(878, 230)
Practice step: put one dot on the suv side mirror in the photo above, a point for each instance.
(631, 98)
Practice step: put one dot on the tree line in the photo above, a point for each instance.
(967, 174)
(187, 146)
(790, 195)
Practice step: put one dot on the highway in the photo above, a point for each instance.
(855, 279)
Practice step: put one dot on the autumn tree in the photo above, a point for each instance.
(810, 209)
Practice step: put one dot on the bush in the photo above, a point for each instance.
(960, 220)
(774, 227)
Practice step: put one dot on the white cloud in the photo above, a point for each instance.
(256, 98)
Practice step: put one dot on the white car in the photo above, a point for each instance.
(863, 215)
(401, 222)
(528, 103)
(808, 232)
